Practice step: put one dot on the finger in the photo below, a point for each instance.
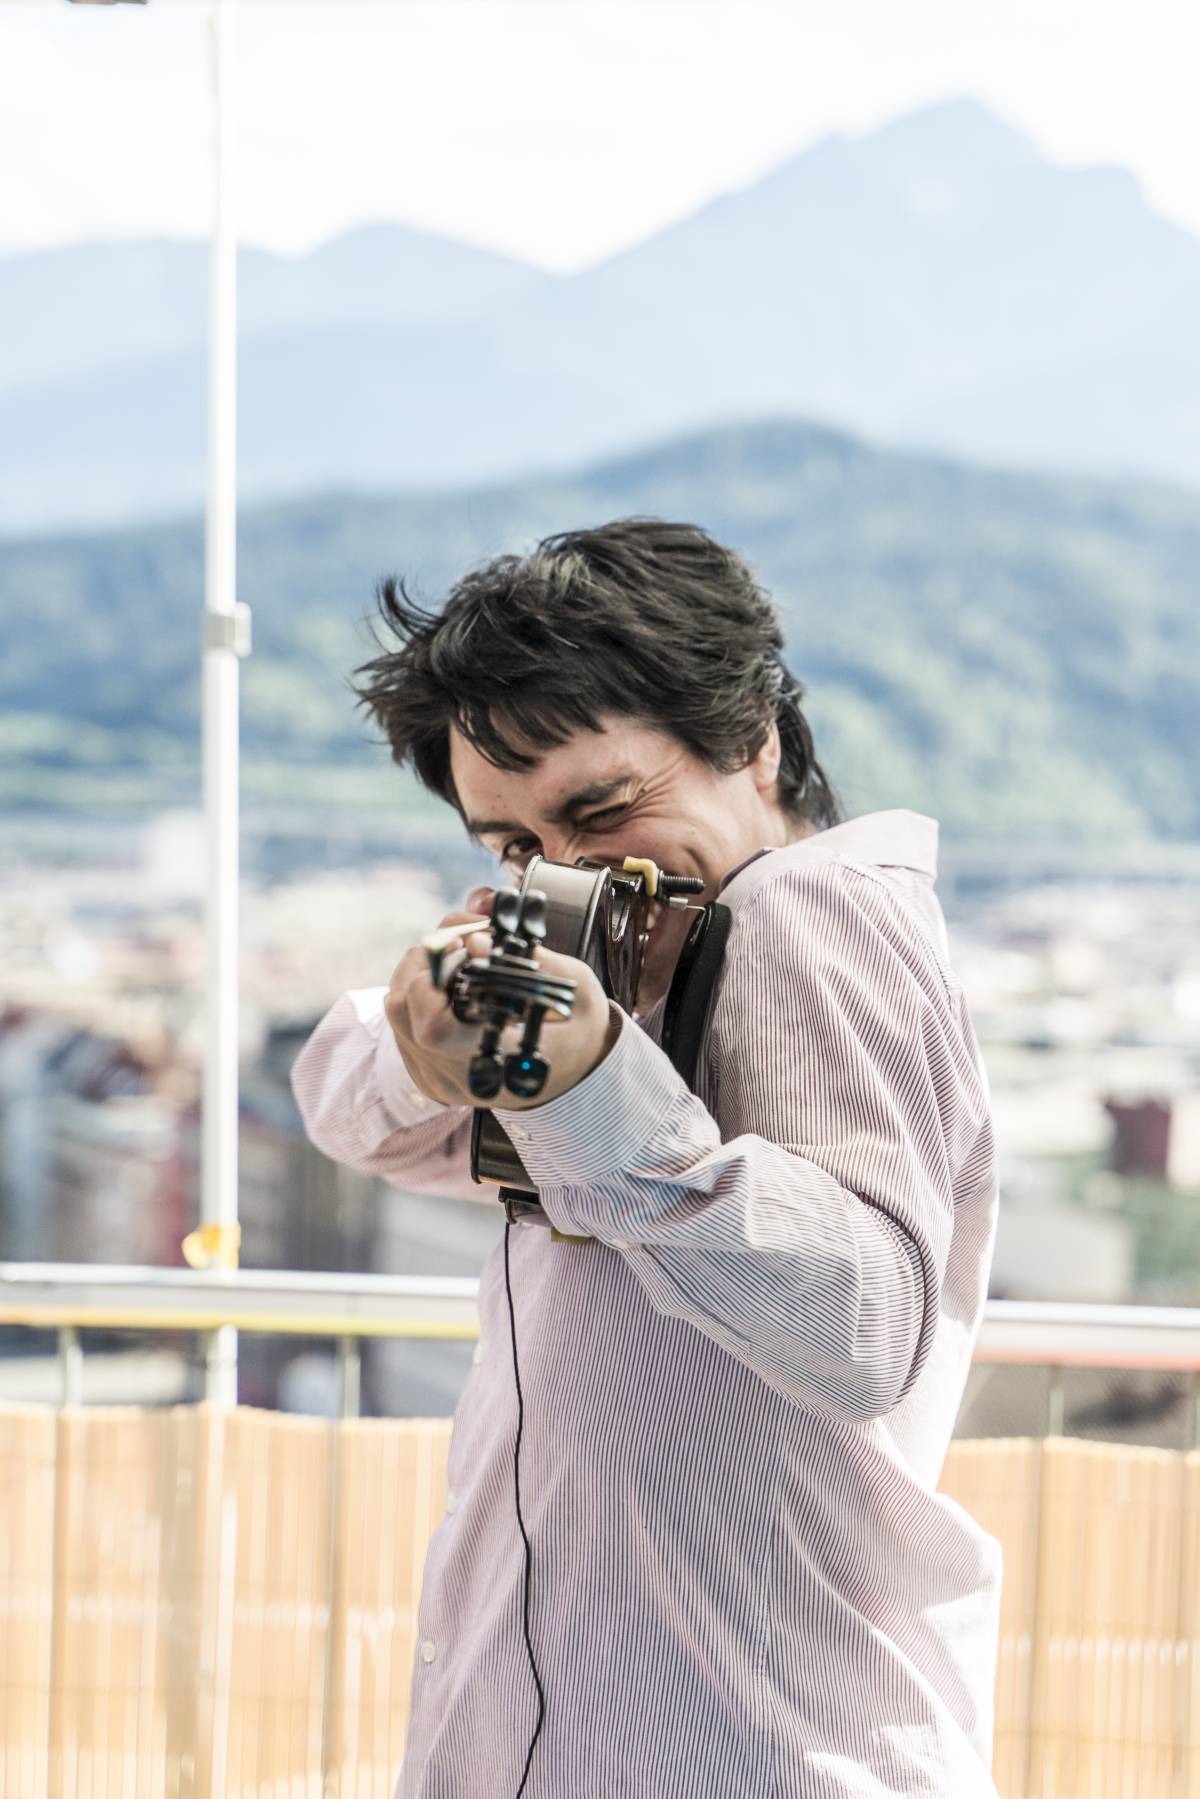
(413, 981)
(562, 967)
(480, 900)
(443, 949)
(431, 1017)
(413, 972)
(450, 961)
(454, 921)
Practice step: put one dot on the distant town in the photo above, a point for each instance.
(1083, 983)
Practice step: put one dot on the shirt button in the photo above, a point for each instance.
(478, 1355)
(428, 1651)
(521, 1135)
(451, 1501)
(417, 1098)
(620, 1243)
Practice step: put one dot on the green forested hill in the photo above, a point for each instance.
(1018, 655)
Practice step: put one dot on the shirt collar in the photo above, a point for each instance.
(894, 839)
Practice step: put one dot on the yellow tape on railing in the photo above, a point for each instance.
(213, 1243)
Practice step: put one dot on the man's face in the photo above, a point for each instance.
(626, 790)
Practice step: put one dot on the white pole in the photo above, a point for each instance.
(225, 638)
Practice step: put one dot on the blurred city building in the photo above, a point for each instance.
(1085, 996)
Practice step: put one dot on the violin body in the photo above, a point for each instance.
(602, 918)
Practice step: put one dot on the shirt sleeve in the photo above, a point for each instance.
(806, 1227)
(360, 1107)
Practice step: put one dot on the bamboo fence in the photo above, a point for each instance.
(199, 1604)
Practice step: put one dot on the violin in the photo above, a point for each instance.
(603, 918)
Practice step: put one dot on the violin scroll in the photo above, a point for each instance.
(506, 987)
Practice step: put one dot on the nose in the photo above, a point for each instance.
(559, 846)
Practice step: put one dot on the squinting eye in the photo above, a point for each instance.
(601, 820)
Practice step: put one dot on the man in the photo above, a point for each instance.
(738, 1390)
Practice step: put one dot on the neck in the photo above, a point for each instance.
(656, 983)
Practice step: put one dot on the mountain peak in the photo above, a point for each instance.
(959, 125)
(934, 162)
(959, 132)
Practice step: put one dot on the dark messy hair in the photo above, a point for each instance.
(645, 618)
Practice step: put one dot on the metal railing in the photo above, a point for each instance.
(70, 1297)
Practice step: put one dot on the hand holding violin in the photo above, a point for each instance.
(438, 1049)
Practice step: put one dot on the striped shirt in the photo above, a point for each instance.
(739, 1393)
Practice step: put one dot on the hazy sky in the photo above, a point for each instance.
(557, 130)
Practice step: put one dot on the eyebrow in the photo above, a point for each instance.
(591, 795)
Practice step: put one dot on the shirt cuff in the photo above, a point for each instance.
(598, 1127)
(403, 1101)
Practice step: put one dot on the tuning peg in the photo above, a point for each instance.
(506, 910)
(525, 1073)
(485, 1075)
(533, 916)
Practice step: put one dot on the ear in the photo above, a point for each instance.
(765, 765)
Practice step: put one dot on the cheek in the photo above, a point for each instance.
(662, 839)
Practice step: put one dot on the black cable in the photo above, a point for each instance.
(537, 1679)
